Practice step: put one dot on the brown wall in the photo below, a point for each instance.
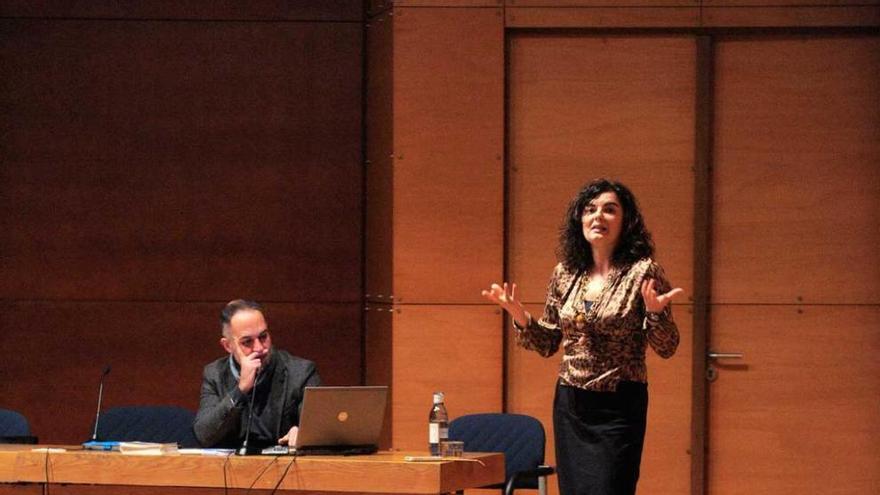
(435, 182)
(159, 160)
(129, 130)
(795, 276)
(583, 98)
(614, 106)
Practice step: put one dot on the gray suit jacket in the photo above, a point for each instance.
(223, 409)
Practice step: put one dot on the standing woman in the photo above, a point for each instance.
(606, 302)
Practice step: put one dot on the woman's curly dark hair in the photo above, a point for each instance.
(634, 243)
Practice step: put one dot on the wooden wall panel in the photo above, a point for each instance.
(180, 161)
(797, 204)
(374, 7)
(438, 195)
(561, 4)
(153, 170)
(797, 185)
(785, 3)
(791, 16)
(327, 333)
(531, 384)
(65, 489)
(666, 458)
(602, 17)
(665, 467)
(379, 351)
(622, 107)
(447, 3)
(798, 414)
(451, 348)
(587, 107)
(448, 145)
(688, 13)
(156, 350)
(599, 3)
(312, 10)
(378, 244)
(531, 381)
(10, 489)
(379, 247)
(599, 131)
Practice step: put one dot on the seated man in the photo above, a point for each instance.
(253, 369)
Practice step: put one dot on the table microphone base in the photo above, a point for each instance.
(249, 450)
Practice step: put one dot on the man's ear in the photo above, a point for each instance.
(227, 345)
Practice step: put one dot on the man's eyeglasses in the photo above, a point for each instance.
(248, 342)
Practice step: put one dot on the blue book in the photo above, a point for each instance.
(96, 445)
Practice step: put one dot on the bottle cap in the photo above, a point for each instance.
(438, 397)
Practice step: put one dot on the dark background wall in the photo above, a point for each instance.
(158, 160)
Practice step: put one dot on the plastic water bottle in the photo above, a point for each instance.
(438, 424)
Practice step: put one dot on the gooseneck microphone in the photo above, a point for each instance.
(100, 396)
(247, 434)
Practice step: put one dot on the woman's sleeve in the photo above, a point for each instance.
(662, 332)
(543, 336)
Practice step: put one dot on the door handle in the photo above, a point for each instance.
(711, 371)
(724, 355)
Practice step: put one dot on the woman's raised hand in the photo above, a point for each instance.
(654, 302)
(505, 296)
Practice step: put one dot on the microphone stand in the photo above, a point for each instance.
(247, 434)
(100, 396)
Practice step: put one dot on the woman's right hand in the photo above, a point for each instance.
(505, 296)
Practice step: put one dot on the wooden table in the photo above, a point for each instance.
(383, 472)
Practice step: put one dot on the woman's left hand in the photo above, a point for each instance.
(654, 303)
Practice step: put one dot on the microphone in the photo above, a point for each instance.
(100, 395)
(247, 434)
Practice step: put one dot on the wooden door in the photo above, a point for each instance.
(795, 277)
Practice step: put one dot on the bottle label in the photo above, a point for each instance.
(434, 433)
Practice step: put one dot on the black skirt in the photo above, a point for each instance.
(599, 438)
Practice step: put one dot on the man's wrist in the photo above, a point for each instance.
(243, 385)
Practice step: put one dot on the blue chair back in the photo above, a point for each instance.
(162, 424)
(521, 438)
(13, 424)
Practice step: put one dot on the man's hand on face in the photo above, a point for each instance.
(250, 367)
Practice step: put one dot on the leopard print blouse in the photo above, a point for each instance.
(604, 342)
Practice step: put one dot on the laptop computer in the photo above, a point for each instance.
(340, 420)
